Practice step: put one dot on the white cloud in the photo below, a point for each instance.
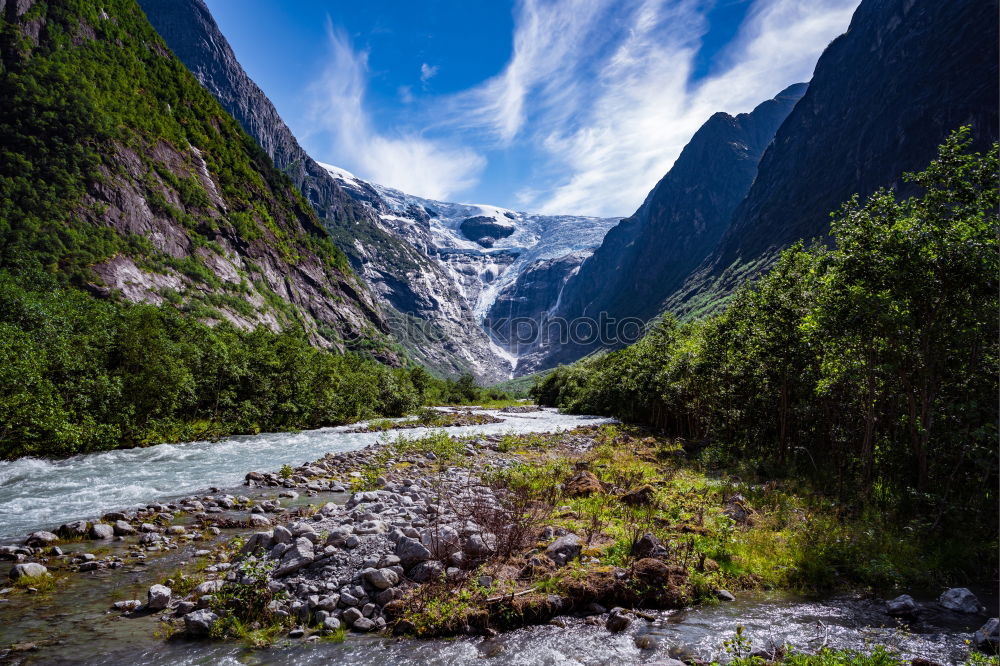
(596, 101)
(603, 86)
(405, 160)
(427, 72)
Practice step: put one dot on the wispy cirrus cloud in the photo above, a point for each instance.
(596, 101)
(403, 158)
(604, 88)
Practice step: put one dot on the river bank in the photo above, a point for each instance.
(353, 539)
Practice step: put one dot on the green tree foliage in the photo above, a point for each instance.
(870, 367)
(81, 374)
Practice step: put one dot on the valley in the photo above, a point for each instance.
(255, 408)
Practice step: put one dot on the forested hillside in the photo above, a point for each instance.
(119, 173)
(159, 279)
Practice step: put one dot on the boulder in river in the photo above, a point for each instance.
(960, 600)
(618, 620)
(158, 597)
(258, 520)
(200, 622)
(27, 570)
(300, 554)
(122, 528)
(102, 531)
(40, 538)
(901, 606)
(73, 530)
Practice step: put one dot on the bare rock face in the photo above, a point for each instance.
(647, 256)
(883, 97)
(485, 230)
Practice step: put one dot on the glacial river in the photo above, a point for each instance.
(72, 625)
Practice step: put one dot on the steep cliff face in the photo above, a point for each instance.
(882, 98)
(425, 310)
(646, 257)
(122, 174)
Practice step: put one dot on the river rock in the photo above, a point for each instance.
(127, 605)
(102, 531)
(208, 587)
(426, 571)
(564, 549)
(158, 597)
(40, 538)
(987, 638)
(363, 624)
(381, 578)
(901, 606)
(122, 528)
(411, 552)
(618, 620)
(960, 600)
(200, 622)
(282, 534)
(27, 570)
(258, 520)
(441, 541)
(300, 554)
(724, 595)
(257, 541)
(185, 607)
(331, 623)
(73, 530)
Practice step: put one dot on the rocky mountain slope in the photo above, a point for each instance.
(424, 306)
(646, 257)
(882, 98)
(505, 265)
(121, 174)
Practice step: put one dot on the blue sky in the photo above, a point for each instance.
(557, 106)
